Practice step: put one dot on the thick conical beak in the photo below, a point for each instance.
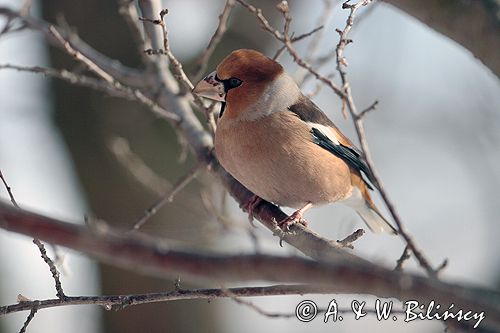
(211, 88)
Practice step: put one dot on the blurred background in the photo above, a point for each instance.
(435, 138)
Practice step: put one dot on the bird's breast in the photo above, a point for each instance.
(275, 157)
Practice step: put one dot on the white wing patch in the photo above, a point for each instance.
(326, 131)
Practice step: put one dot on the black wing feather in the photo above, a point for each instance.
(349, 155)
(309, 112)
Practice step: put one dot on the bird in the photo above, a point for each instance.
(280, 145)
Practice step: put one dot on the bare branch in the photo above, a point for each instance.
(117, 302)
(129, 13)
(340, 276)
(258, 309)
(168, 197)
(185, 84)
(159, 111)
(9, 190)
(347, 242)
(315, 42)
(286, 39)
(30, 317)
(372, 107)
(358, 122)
(201, 63)
(126, 75)
(55, 274)
(73, 78)
(404, 257)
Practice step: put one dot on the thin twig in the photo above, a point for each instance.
(316, 41)
(55, 273)
(347, 242)
(255, 307)
(186, 86)
(372, 107)
(30, 317)
(91, 65)
(117, 302)
(404, 257)
(319, 86)
(358, 122)
(136, 166)
(9, 190)
(74, 78)
(201, 63)
(286, 39)
(129, 13)
(441, 267)
(167, 197)
(124, 74)
(294, 39)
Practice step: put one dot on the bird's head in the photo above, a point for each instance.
(251, 84)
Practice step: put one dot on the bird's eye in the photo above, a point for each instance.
(234, 82)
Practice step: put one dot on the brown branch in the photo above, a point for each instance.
(341, 276)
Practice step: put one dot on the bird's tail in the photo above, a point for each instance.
(374, 220)
(361, 201)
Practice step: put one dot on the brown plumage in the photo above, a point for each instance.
(280, 145)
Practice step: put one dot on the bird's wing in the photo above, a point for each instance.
(326, 135)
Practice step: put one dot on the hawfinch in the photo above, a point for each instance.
(280, 145)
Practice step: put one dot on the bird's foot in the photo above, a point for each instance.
(296, 217)
(250, 206)
(288, 221)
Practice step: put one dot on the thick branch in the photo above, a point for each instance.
(473, 24)
(342, 277)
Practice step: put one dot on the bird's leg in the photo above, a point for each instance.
(250, 206)
(295, 217)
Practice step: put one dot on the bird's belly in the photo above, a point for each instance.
(281, 165)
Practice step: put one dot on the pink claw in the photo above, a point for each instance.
(296, 217)
(250, 206)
